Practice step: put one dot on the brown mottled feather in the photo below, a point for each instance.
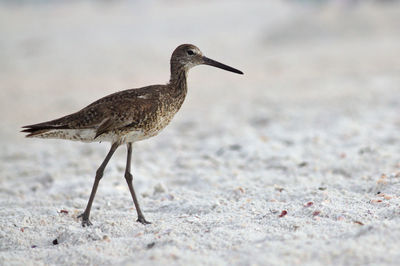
(134, 109)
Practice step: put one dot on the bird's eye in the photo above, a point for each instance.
(190, 52)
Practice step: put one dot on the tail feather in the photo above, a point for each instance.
(38, 129)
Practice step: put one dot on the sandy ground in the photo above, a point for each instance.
(296, 162)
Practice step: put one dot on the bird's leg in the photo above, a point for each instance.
(128, 177)
(99, 175)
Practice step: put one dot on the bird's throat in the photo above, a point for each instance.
(178, 83)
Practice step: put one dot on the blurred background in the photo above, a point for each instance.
(315, 118)
(58, 56)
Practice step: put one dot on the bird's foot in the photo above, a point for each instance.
(142, 220)
(85, 220)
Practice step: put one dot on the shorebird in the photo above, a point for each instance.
(127, 116)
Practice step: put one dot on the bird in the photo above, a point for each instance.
(127, 116)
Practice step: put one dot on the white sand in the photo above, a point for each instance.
(312, 128)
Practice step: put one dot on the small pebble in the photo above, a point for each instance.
(302, 164)
(315, 213)
(152, 244)
(159, 188)
(308, 204)
(283, 213)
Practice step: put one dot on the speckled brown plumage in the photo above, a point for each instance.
(128, 116)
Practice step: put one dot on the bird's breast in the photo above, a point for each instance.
(152, 123)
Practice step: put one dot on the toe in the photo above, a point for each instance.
(142, 220)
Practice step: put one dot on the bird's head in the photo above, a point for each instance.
(188, 56)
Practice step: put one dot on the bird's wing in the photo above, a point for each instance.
(124, 113)
(113, 112)
(107, 125)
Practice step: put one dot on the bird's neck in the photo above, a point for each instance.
(177, 81)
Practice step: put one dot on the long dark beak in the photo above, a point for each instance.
(210, 62)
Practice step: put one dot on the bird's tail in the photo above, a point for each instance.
(39, 130)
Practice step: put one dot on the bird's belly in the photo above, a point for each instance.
(151, 130)
(134, 135)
